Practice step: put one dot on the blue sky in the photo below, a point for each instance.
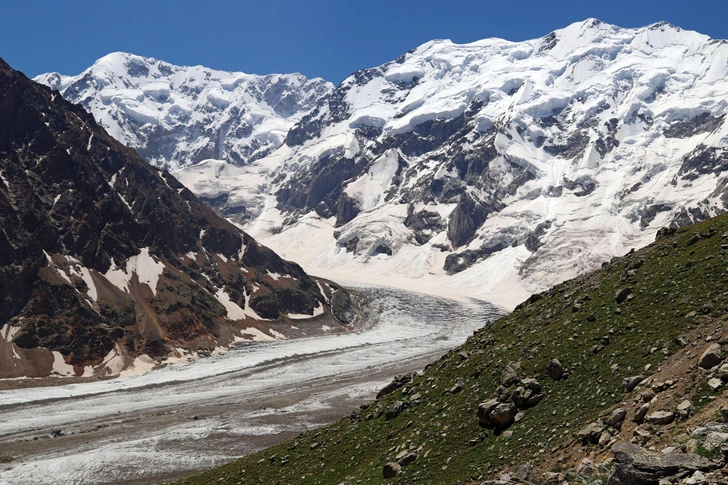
(323, 38)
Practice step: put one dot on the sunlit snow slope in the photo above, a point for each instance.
(497, 168)
(178, 115)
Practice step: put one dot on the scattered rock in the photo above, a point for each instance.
(660, 417)
(623, 294)
(395, 410)
(494, 414)
(630, 383)
(715, 440)
(616, 418)
(636, 466)
(710, 357)
(392, 469)
(722, 372)
(698, 478)
(527, 473)
(715, 383)
(396, 383)
(552, 477)
(684, 409)
(591, 433)
(407, 459)
(647, 396)
(459, 385)
(509, 376)
(555, 369)
(640, 414)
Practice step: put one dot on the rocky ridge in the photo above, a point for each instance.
(619, 375)
(107, 263)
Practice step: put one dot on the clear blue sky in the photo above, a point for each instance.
(323, 38)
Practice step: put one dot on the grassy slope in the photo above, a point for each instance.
(676, 275)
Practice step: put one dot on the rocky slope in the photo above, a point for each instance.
(618, 375)
(107, 262)
(498, 168)
(174, 116)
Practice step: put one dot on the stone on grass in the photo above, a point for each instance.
(710, 357)
(392, 469)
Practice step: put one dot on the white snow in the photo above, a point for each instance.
(319, 310)
(144, 265)
(239, 115)
(60, 368)
(592, 73)
(252, 333)
(234, 312)
(7, 332)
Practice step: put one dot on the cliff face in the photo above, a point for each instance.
(104, 258)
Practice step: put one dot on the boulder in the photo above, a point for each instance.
(407, 459)
(555, 369)
(640, 414)
(532, 384)
(714, 383)
(710, 357)
(616, 418)
(494, 414)
(395, 410)
(630, 383)
(591, 433)
(392, 469)
(527, 473)
(636, 466)
(722, 372)
(622, 294)
(660, 417)
(715, 440)
(459, 385)
(509, 376)
(684, 409)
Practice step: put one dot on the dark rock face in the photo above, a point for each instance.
(424, 224)
(100, 250)
(703, 123)
(467, 217)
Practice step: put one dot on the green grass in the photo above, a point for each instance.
(678, 274)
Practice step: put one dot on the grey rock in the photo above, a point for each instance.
(392, 469)
(636, 466)
(555, 369)
(494, 414)
(630, 383)
(591, 433)
(617, 417)
(395, 410)
(660, 417)
(639, 415)
(407, 459)
(710, 357)
(623, 294)
(509, 376)
(527, 473)
(532, 384)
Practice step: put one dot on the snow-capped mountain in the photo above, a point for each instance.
(497, 168)
(107, 262)
(174, 116)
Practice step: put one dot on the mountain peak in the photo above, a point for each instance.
(103, 256)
